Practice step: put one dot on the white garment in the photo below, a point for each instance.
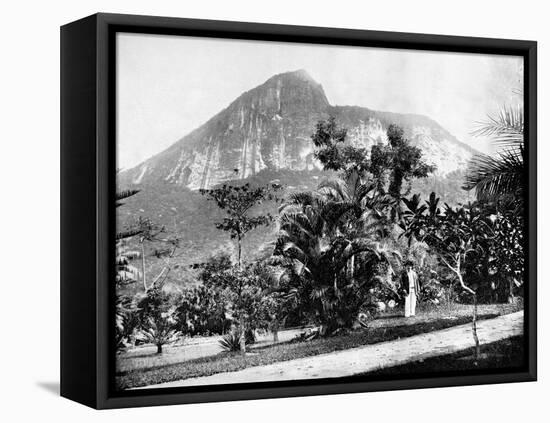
(410, 300)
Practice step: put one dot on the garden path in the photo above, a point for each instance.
(370, 357)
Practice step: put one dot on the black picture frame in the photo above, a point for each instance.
(88, 192)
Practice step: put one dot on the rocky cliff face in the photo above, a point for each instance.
(269, 128)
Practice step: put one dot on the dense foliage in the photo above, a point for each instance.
(337, 254)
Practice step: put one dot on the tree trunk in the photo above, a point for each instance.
(450, 299)
(159, 348)
(239, 250)
(275, 330)
(242, 338)
(143, 266)
(510, 290)
(474, 331)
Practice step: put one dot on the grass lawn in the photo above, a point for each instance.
(505, 354)
(227, 362)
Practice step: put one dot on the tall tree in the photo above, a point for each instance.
(393, 164)
(332, 151)
(403, 160)
(316, 250)
(148, 231)
(237, 202)
(126, 274)
(460, 236)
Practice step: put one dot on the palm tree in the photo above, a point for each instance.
(501, 176)
(361, 204)
(319, 234)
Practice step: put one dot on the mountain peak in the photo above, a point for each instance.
(294, 91)
(300, 74)
(269, 128)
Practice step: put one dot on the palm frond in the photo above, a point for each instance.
(334, 188)
(127, 233)
(291, 247)
(506, 129)
(121, 195)
(301, 199)
(496, 176)
(296, 222)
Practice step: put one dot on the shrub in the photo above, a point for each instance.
(126, 322)
(201, 311)
(160, 330)
(232, 341)
(431, 290)
(157, 321)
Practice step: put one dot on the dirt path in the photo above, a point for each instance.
(370, 357)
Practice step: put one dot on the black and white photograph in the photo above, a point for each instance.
(275, 212)
(292, 211)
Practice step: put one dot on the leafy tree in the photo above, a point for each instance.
(237, 201)
(332, 151)
(460, 236)
(202, 311)
(278, 300)
(380, 165)
(209, 269)
(508, 250)
(244, 291)
(402, 159)
(396, 162)
(238, 293)
(330, 239)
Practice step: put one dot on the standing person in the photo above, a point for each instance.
(409, 285)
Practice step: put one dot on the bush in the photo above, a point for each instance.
(126, 322)
(232, 341)
(431, 290)
(201, 311)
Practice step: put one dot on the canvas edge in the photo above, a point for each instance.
(78, 332)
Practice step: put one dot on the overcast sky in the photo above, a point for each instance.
(169, 85)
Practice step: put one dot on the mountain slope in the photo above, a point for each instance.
(269, 127)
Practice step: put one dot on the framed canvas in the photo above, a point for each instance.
(257, 211)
